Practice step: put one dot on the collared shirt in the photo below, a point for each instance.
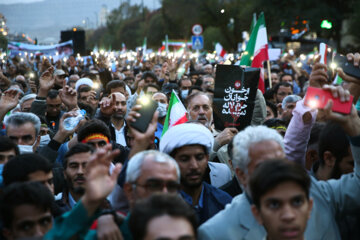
(189, 199)
(72, 202)
(159, 130)
(120, 135)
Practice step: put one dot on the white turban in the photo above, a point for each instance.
(186, 134)
(83, 81)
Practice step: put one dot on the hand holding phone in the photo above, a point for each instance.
(148, 108)
(318, 98)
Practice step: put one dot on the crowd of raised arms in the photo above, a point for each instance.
(74, 166)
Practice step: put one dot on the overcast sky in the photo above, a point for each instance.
(149, 3)
(18, 1)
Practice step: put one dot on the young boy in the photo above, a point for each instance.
(280, 191)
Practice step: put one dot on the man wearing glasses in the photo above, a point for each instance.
(149, 172)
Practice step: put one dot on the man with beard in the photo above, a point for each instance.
(74, 166)
(191, 152)
(112, 111)
(199, 108)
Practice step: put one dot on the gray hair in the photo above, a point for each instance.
(21, 118)
(247, 137)
(133, 170)
(290, 99)
(27, 97)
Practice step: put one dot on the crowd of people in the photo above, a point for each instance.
(292, 174)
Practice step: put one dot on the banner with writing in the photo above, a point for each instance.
(234, 97)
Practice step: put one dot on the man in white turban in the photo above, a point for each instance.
(190, 144)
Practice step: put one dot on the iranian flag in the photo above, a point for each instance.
(220, 50)
(176, 113)
(257, 50)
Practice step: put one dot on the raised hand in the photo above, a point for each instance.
(225, 136)
(62, 134)
(68, 96)
(9, 99)
(318, 76)
(356, 60)
(99, 183)
(141, 140)
(107, 105)
(349, 122)
(46, 82)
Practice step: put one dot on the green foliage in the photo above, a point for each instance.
(222, 20)
(3, 42)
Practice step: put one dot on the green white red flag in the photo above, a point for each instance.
(176, 113)
(257, 49)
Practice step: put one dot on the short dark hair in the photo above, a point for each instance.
(151, 75)
(19, 168)
(91, 127)
(274, 172)
(84, 88)
(151, 85)
(32, 193)
(115, 84)
(129, 78)
(78, 148)
(272, 107)
(194, 87)
(286, 74)
(155, 206)
(6, 144)
(184, 79)
(284, 84)
(53, 93)
(333, 138)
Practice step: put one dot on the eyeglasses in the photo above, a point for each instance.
(155, 185)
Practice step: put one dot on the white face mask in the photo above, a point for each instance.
(162, 109)
(44, 140)
(27, 148)
(184, 93)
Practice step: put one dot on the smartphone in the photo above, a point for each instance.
(318, 98)
(148, 108)
(347, 67)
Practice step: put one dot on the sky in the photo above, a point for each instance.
(150, 3)
(44, 19)
(17, 1)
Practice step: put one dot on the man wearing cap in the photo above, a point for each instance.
(288, 105)
(59, 76)
(190, 144)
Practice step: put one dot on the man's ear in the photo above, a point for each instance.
(329, 159)
(241, 176)
(255, 211)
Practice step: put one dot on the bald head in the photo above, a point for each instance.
(160, 97)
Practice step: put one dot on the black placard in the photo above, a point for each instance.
(234, 97)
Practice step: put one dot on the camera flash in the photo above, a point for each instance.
(144, 100)
(313, 104)
(333, 65)
(96, 85)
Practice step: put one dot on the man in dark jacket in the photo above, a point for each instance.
(189, 144)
